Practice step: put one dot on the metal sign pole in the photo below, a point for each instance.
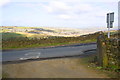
(108, 32)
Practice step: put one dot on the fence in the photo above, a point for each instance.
(108, 52)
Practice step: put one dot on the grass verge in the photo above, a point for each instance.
(90, 60)
(46, 45)
(4, 75)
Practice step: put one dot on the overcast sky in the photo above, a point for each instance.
(57, 13)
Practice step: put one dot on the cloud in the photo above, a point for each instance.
(73, 10)
(4, 2)
(66, 9)
(67, 0)
(83, 7)
(56, 7)
(63, 16)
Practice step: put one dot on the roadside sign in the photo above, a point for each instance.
(110, 20)
(110, 25)
(112, 17)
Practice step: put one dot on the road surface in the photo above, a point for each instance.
(51, 52)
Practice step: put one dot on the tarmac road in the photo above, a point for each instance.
(50, 52)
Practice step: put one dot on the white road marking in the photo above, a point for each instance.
(31, 56)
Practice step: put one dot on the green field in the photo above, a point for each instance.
(6, 36)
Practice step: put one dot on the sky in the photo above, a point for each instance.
(119, 15)
(57, 13)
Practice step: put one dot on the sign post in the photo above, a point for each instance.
(110, 20)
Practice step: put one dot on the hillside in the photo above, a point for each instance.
(45, 31)
(30, 37)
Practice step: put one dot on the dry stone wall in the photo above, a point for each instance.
(108, 52)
